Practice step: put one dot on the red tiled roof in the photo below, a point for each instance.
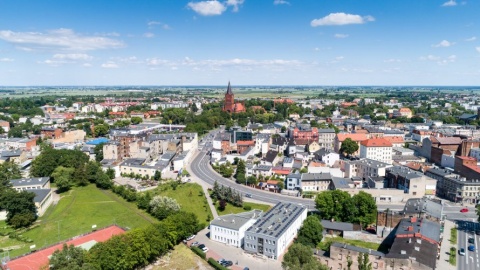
(272, 182)
(245, 143)
(356, 137)
(405, 110)
(466, 158)
(449, 140)
(394, 139)
(377, 142)
(281, 170)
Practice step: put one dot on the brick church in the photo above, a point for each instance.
(229, 104)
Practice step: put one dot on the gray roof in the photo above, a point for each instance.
(340, 182)
(40, 194)
(236, 221)
(263, 167)
(326, 130)
(167, 156)
(15, 153)
(358, 249)
(337, 226)
(29, 181)
(369, 162)
(404, 172)
(277, 220)
(316, 176)
(426, 227)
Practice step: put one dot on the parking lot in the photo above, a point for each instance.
(236, 255)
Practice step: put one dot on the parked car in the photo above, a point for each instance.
(205, 249)
(248, 195)
(227, 263)
(471, 248)
(477, 232)
(191, 237)
(201, 246)
(461, 251)
(464, 210)
(471, 240)
(221, 261)
(196, 243)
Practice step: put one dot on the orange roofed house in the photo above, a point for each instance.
(341, 137)
(377, 149)
(229, 104)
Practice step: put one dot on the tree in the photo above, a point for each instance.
(91, 170)
(335, 204)
(366, 208)
(69, 257)
(98, 151)
(111, 173)
(8, 171)
(21, 204)
(136, 120)
(143, 200)
(103, 181)
(80, 176)
(349, 147)
(161, 206)
(63, 178)
(364, 262)
(101, 130)
(157, 176)
(221, 205)
(300, 257)
(240, 172)
(478, 211)
(252, 180)
(311, 232)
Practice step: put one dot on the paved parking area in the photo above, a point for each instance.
(218, 251)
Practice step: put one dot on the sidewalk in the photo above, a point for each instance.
(443, 263)
(205, 187)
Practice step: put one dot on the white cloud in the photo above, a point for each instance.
(73, 56)
(340, 35)
(65, 39)
(449, 3)
(341, 19)
(444, 44)
(478, 49)
(471, 39)
(439, 60)
(109, 64)
(152, 24)
(214, 64)
(6, 59)
(392, 60)
(281, 2)
(87, 65)
(235, 4)
(338, 58)
(149, 35)
(207, 8)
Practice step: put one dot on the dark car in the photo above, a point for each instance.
(471, 240)
(248, 195)
(227, 263)
(477, 232)
(201, 246)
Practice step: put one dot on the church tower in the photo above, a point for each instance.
(229, 103)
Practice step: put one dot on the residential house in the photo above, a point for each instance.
(377, 149)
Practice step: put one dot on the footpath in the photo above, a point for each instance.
(443, 263)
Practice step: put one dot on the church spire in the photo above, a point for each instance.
(229, 89)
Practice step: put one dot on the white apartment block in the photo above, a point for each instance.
(230, 229)
(378, 149)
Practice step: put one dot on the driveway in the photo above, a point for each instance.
(219, 250)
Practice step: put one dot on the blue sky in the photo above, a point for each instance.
(249, 42)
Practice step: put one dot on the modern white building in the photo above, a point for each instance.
(271, 234)
(365, 168)
(230, 229)
(377, 149)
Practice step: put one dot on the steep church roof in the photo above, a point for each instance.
(229, 89)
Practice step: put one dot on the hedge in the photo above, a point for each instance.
(199, 252)
(216, 265)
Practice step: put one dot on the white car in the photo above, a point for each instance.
(205, 249)
(193, 235)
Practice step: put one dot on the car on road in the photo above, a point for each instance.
(196, 243)
(191, 237)
(464, 210)
(461, 252)
(248, 195)
(205, 249)
(477, 232)
(471, 248)
(471, 240)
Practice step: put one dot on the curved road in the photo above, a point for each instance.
(201, 168)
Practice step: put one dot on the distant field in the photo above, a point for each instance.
(191, 198)
(76, 212)
(180, 258)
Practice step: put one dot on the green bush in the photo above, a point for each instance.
(452, 259)
(247, 208)
(199, 252)
(216, 265)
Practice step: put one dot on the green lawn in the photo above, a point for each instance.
(325, 244)
(230, 209)
(191, 198)
(453, 235)
(77, 211)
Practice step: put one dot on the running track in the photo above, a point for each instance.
(40, 258)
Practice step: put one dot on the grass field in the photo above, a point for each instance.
(77, 211)
(230, 209)
(191, 198)
(179, 259)
(325, 244)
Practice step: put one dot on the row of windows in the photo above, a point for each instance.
(223, 239)
(225, 231)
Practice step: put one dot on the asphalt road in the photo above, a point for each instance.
(471, 259)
